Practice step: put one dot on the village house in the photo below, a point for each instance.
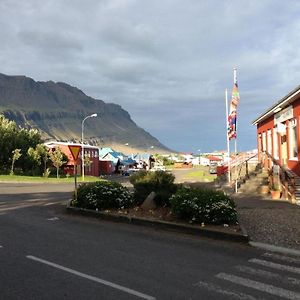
(278, 140)
(91, 152)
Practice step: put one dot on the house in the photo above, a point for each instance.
(144, 160)
(278, 139)
(91, 152)
(188, 157)
(104, 151)
(204, 161)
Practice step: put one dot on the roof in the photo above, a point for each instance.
(214, 158)
(54, 143)
(142, 156)
(128, 161)
(115, 154)
(104, 151)
(282, 103)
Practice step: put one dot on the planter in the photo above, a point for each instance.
(264, 189)
(276, 194)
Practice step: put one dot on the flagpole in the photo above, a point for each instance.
(235, 140)
(227, 138)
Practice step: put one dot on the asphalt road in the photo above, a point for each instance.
(48, 254)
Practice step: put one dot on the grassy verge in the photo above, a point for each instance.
(16, 178)
(200, 175)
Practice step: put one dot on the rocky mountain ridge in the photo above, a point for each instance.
(57, 110)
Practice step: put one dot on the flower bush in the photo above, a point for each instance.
(103, 195)
(203, 206)
(160, 182)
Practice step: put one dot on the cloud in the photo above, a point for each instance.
(168, 63)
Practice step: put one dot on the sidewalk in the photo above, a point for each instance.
(269, 221)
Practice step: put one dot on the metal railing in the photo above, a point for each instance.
(287, 178)
(240, 168)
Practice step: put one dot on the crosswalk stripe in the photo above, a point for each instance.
(268, 275)
(267, 288)
(282, 257)
(275, 265)
(218, 289)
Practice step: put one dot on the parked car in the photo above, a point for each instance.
(213, 167)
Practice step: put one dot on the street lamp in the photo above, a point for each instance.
(82, 145)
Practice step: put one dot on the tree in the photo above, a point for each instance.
(14, 137)
(58, 159)
(87, 161)
(38, 155)
(16, 155)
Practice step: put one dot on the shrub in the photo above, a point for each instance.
(203, 205)
(103, 195)
(160, 182)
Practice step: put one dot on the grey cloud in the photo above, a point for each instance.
(166, 62)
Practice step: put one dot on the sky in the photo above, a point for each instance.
(167, 63)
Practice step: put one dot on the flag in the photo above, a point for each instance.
(231, 130)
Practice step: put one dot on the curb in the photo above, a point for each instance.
(278, 249)
(181, 228)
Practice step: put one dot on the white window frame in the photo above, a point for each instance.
(264, 141)
(275, 143)
(293, 140)
(269, 141)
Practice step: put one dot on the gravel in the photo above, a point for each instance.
(269, 221)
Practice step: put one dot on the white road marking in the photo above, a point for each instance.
(267, 288)
(267, 274)
(215, 288)
(275, 265)
(104, 282)
(53, 219)
(1, 246)
(282, 257)
(51, 203)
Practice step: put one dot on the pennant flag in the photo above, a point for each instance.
(231, 130)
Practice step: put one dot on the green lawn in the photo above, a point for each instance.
(48, 180)
(201, 174)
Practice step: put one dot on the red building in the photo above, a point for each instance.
(91, 152)
(278, 139)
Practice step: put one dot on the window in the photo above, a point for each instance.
(293, 139)
(264, 141)
(275, 143)
(269, 140)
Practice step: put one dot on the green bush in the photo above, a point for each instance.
(160, 182)
(203, 205)
(103, 195)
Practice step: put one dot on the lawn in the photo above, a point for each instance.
(17, 178)
(200, 174)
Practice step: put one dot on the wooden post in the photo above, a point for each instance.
(75, 180)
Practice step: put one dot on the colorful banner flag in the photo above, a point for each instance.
(231, 130)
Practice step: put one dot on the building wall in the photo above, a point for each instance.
(92, 170)
(267, 133)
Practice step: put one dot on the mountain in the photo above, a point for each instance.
(58, 109)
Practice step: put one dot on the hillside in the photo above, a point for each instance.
(57, 110)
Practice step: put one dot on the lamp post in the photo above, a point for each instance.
(82, 144)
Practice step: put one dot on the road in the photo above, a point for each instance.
(48, 254)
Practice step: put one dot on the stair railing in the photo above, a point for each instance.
(239, 164)
(286, 176)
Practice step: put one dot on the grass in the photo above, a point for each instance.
(19, 178)
(200, 174)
